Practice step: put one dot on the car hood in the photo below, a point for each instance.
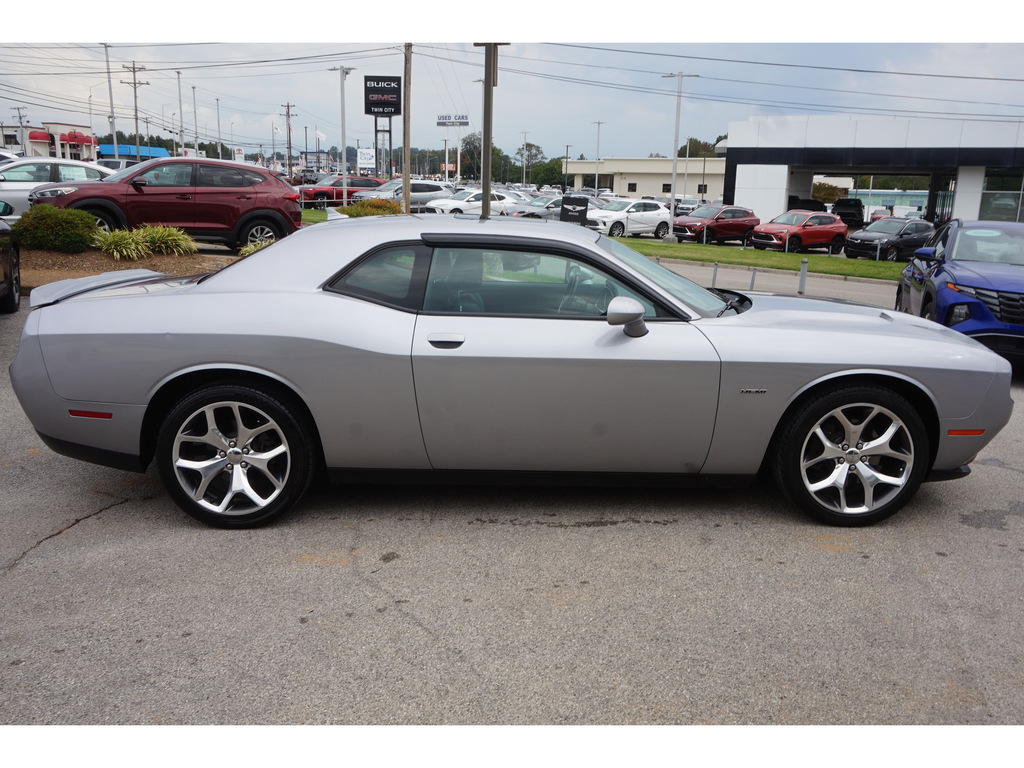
(776, 227)
(123, 282)
(686, 220)
(986, 274)
(847, 324)
(863, 236)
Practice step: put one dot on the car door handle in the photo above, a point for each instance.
(446, 340)
(244, 197)
(184, 197)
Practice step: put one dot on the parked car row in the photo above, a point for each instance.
(20, 176)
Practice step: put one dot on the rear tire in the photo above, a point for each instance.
(853, 455)
(258, 232)
(235, 456)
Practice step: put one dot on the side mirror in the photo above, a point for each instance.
(927, 254)
(627, 312)
(137, 182)
(6, 209)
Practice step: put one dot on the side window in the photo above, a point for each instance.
(392, 276)
(76, 173)
(168, 175)
(252, 178)
(218, 176)
(485, 281)
(39, 172)
(938, 241)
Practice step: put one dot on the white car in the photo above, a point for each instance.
(472, 201)
(420, 192)
(21, 176)
(621, 217)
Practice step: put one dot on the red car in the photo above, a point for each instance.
(716, 223)
(795, 230)
(332, 190)
(213, 201)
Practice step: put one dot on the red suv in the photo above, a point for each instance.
(795, 230)
(716, 223)
(213, 201)
(332, 189)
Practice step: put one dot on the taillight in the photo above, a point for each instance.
(291, 196)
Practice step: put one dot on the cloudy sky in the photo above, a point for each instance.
(555, 93)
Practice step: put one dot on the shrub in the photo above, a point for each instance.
(48, 228)
(166, 240)
(372, 208)
(251, 248)
(122, 244)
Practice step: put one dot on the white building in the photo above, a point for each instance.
(975, 168)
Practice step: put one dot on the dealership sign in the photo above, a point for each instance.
(382, 95)
(452, 120)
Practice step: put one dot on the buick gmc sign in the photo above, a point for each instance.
(382, 95)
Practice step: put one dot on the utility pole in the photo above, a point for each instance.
(406, 121)
(288, 114)
(195, 119)
(565, 185)
(135, 84)
(219, 142)
(524, 157)
(487, 141)
(110, 87)
(181, 117)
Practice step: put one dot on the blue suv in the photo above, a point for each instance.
(970, 276)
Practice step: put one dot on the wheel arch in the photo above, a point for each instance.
(173, 390)
(909, 390)
(98, 204)
(280, 221)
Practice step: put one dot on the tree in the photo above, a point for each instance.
(826, 193)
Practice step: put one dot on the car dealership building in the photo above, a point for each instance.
(974, 168)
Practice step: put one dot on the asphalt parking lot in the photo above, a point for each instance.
(498, 605)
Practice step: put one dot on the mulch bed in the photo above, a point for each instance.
(42, 267)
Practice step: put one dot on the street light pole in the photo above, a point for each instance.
(597, 160)
(342, 165)
(675, 151)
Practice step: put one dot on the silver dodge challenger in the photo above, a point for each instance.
(435, 348)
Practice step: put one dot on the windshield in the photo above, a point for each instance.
(886, 226)
(705, 212)
(618, 205)
(690, 294)
(790, 218)
(540, 202)
(463, 194)
(990, 244)
(131, 170)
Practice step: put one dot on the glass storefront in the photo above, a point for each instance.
(1002, 194)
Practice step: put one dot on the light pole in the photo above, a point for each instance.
(343, 164)
(524, 157)
(565, 185)
(675, 152)
(597, 160)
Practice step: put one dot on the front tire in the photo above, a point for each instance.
(794, 245)
(235, 456)
(853, 455)
(9, 304)
(104, 221)
(618, 229)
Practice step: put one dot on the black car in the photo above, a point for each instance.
(10, 265)
(892, 238)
